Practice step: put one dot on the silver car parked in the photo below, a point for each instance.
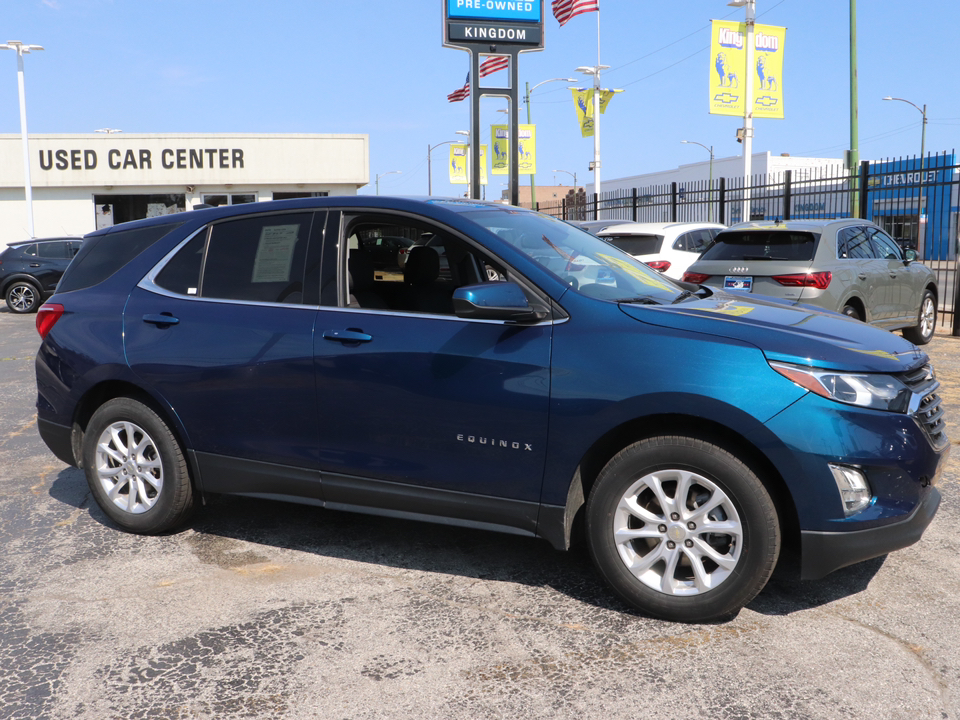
(849, 266)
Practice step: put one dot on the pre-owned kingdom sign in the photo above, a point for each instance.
(516, 22)
(492, 27)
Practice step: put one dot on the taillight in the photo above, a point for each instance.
(818, 280)
(695, 278)
(47, 317)
(659, 265)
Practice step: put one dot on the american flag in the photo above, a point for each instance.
(563, 10)
(461, 94)
(487, 67)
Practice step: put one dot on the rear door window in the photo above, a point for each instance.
(763, 245)
(636, 244)
(51, 250)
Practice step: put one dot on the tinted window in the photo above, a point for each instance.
(102, 255)
(57, 250)
(636, 244)
(182, 273)
(30, 250)
(257, 259)
(853, 244)
(887, 248)
(694, 241)
(762, 245)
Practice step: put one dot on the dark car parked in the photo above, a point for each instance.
(31, 269)
(549, 385)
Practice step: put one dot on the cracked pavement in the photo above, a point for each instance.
(259, 609)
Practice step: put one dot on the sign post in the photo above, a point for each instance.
(493, 27)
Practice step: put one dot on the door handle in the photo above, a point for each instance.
(161, 320)
(347, 336)
(862, 276)
(34, 264)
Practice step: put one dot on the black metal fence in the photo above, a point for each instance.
(913, 199)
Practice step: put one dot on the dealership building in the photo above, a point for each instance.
(82, 182)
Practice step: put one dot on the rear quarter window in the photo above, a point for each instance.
(763, 245)
(102, 255)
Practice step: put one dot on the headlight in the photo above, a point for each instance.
(872, 390)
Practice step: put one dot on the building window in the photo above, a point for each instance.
(296, 195)
(229, 199)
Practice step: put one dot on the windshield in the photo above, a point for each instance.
(586, 263)
(762, 245)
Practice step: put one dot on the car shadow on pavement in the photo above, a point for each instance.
(221, 534)
(785, 593)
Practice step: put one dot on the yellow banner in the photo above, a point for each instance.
(583, 103)
(526, 150)
(459, 161)
(728, 57)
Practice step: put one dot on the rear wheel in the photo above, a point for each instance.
(22, 297)
(851, 311)
(135, 468)
(681, 529)
(922, 333)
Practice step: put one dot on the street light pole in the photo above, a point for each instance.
(710, 181)
(22, 49)
(751, 7)
(573, 175)
(430, 166)
(595, 72)
(526, 99)
(389, 172)
(921, 220)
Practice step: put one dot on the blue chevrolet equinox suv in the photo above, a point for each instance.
(510, 373)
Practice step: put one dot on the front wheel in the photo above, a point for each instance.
(135, 468)
(922, 332)
(22, 297)
(682, 530)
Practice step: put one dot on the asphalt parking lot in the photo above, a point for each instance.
(261, 609)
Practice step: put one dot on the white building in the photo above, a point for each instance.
(729, 167)
(83, 182)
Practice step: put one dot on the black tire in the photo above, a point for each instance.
(22, 297)
(922, 332)
(156, 470)
(851, 311)
(745, 537)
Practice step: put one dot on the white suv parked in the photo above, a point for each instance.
(668, 247)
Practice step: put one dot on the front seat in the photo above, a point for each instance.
(422, 293)
(360, 274)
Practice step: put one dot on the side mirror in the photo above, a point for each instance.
(910, 255)
(495, 301)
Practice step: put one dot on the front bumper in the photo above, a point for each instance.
(824, 552)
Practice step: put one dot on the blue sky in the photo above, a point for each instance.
(378, 67)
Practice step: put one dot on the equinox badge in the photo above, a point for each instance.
(511, 444)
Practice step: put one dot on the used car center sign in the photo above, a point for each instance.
(513, 22)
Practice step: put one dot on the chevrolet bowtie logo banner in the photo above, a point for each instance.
(459, 153)
(728, 59)
(583, 103)
(526, 149)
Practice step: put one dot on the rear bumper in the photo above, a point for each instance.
(59, 439)
(824, 552)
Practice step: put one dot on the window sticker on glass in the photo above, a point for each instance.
(275, 253)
